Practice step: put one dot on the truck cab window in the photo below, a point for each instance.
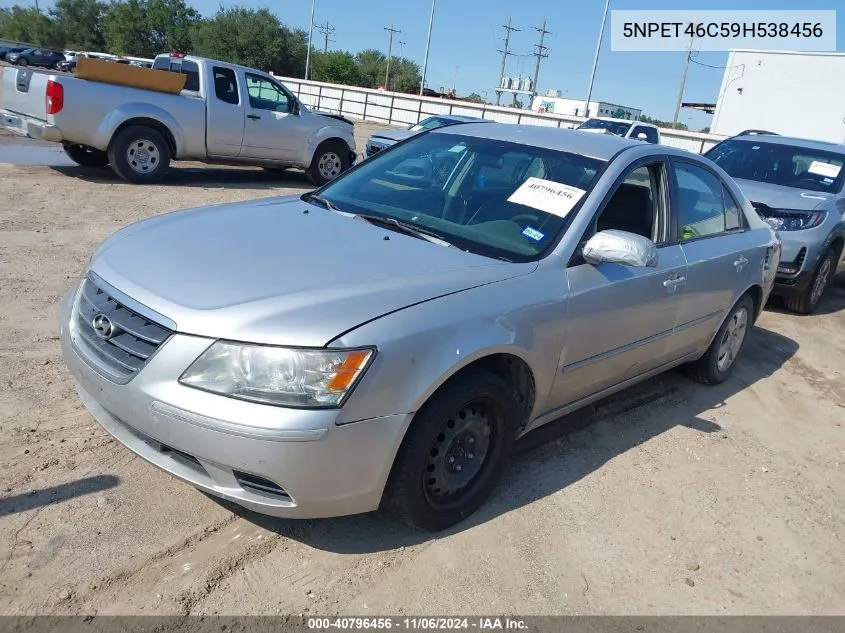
(265, 95)
(226, 85)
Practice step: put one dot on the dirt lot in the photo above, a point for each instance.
(671, 498)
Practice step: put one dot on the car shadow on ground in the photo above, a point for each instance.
(560, 453)
(206, 177)
(56, 494)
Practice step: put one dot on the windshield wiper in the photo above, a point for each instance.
(405, 227)
(323, 202)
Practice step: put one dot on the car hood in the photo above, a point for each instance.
(282, 271)
(391, 135)
(780, 197)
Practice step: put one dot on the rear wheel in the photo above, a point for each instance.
(139, 154)
(455, 451)
(330, 160)
(86, 156)
(719, 360)
(23, 61)
(808, 301)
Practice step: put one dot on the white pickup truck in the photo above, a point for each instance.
(225, 114)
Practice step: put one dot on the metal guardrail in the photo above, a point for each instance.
(405, 109)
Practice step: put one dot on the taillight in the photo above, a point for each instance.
(55, 96)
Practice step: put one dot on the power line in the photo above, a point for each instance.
(540, 54)
(505, 52)
(326, 29)
(390, 30)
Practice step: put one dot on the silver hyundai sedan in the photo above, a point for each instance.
(384, 339)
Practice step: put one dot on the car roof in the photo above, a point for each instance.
(457, 117)
(600, 146)
(808, 143)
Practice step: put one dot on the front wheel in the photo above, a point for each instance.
(330, 160)
(455, 451)
(808, 301)
(719, 360)
(85, 156)
(22, 62)
(139, 154)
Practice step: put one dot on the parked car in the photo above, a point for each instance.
(5, 50)
(382, 139)
(797, 186)
(622, 127)
(225, 114)
(42, 57)
(385, 338)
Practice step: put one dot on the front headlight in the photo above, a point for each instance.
(283, 376)
(789, 220)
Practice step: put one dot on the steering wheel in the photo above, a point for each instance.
(526, 218)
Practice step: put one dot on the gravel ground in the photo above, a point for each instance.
(671, 498)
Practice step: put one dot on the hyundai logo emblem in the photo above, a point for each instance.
(103, 326)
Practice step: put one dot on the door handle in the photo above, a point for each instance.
(254, 117)
(674, 282)
(738, 264)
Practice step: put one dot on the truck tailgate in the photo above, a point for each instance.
(24, 92)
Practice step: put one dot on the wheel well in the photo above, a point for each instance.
(514, 371)
(756, 294)
(156, 125)
(333, 140)
(837, 245)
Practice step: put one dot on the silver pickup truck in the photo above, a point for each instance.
(225, 114)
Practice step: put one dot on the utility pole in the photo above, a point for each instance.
(402, 49)
(596, 60)
(390, 30)
(683, 83)
(508, 30)
(540, 54)
(326, 30)
(310, 41)
(427, 46)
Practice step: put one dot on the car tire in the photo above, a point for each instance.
(469, 423)
(330, 160)
(139, 154)
(719, 360)
(86, 156)
(808, 301)
(22, 62)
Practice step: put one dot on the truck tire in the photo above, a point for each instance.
(139, 154)
(330, 160)
(86, 156)
(808, 301)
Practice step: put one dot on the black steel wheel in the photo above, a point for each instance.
(455, 451)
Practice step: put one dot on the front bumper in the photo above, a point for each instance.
(799, 258)
(284, 462)
(27, 126)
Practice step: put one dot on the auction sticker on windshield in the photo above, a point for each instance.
(547, 195)
(824, 169)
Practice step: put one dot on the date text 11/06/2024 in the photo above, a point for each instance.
(417, 624)
(721, 29)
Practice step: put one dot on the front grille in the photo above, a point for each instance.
(373, 148)
(125, 340)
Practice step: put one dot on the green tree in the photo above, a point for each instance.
(659, 123)
(146, 28)
(170, 23)
(336, 67)
(474, 98)
(404, 74)
(125, 29)
(80, 23)
(253, 38)
(27, 25)
(372, 65)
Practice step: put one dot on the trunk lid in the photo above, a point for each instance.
(24, 92)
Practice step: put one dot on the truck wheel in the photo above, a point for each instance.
(139, 154)
(330, 160)
(719, 360)
(808, 301)
(86, 156)
(455, 451)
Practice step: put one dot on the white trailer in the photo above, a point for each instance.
(791, 93)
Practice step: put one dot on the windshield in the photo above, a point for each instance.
(618, 128)
(780, 164)
(458, 188)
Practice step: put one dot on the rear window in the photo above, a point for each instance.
(184, 66)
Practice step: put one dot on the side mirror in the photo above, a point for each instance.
(620, 247)
(295, 108)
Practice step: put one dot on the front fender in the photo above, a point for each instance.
(327, 132)
(421, 347)
(126, 112)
